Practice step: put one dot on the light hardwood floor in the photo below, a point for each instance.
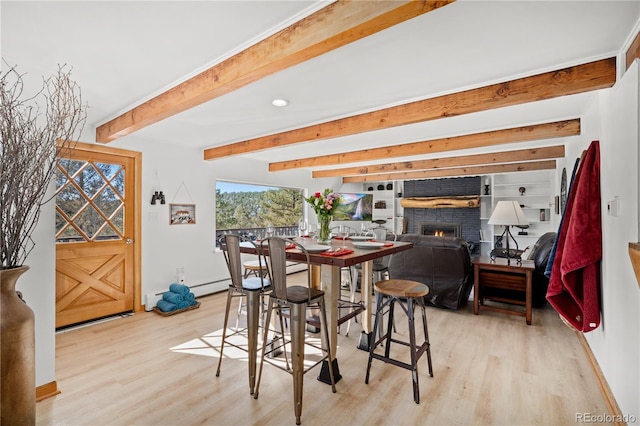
(488, 369)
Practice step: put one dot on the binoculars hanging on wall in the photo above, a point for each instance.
(157, 196)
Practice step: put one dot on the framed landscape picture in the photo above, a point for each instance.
(182, 214)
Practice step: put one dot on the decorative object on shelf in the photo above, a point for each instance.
(542, 215)
(522, 190)
(487, 187)
(380, 204)
(36, 131)
(182, 214)
(507, 254)
(158, 196)
(508, 214)
(380, 187)
(324, 204)
(389, 186)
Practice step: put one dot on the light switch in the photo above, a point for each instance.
(613, 207)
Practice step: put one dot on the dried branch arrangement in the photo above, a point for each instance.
(34, 132)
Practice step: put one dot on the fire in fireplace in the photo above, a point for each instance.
(441, 229)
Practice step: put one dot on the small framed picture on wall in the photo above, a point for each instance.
(182, 214)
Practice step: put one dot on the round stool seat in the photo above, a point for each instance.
(253, 265)
(402, 288)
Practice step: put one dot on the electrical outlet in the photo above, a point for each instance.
(180, 274)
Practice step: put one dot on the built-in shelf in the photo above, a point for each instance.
(537, 201)
(388, 195)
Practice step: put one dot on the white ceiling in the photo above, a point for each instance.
(124, 52)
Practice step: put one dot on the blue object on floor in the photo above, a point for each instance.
(179, 288)
(172, 297)
(165, 306)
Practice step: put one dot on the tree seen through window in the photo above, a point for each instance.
(246, 206)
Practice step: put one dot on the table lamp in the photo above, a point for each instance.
(507, 214)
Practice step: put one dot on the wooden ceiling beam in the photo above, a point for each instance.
(475, 140)
(566, 81)
(332, 27)
(543, 153)
(633, 52)
(460, 171)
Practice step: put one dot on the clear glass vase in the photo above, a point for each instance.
(324, 233)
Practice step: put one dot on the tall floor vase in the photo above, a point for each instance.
(17, 365)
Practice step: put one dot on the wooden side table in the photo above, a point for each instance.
(513, 279)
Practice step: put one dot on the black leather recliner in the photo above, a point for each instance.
(442, 263)
(540, 256)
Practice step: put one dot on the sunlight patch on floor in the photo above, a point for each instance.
(236, 347)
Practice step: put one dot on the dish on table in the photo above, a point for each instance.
(316, 248)
(361, 237)
(368, 244)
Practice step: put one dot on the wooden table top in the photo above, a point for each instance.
(501, 263)
(358, 256)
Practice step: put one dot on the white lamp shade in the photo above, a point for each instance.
(508, 213)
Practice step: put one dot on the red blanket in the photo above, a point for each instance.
(574, 285)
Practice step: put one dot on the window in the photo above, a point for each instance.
(248, 209)
(89, 201)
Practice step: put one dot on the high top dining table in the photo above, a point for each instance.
(326, 275)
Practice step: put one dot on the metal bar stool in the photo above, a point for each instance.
(405, 293)
(296, 298)
(380, 266)
(253, 289)
(254, 267)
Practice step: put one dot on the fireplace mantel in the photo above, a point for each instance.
(464, 201)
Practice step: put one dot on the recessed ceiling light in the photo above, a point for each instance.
(280, 102)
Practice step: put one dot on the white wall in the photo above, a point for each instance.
(614, 121)
(39, 291)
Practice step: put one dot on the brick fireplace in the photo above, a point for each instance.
(466, 220)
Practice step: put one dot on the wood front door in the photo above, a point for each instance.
(96, 229)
